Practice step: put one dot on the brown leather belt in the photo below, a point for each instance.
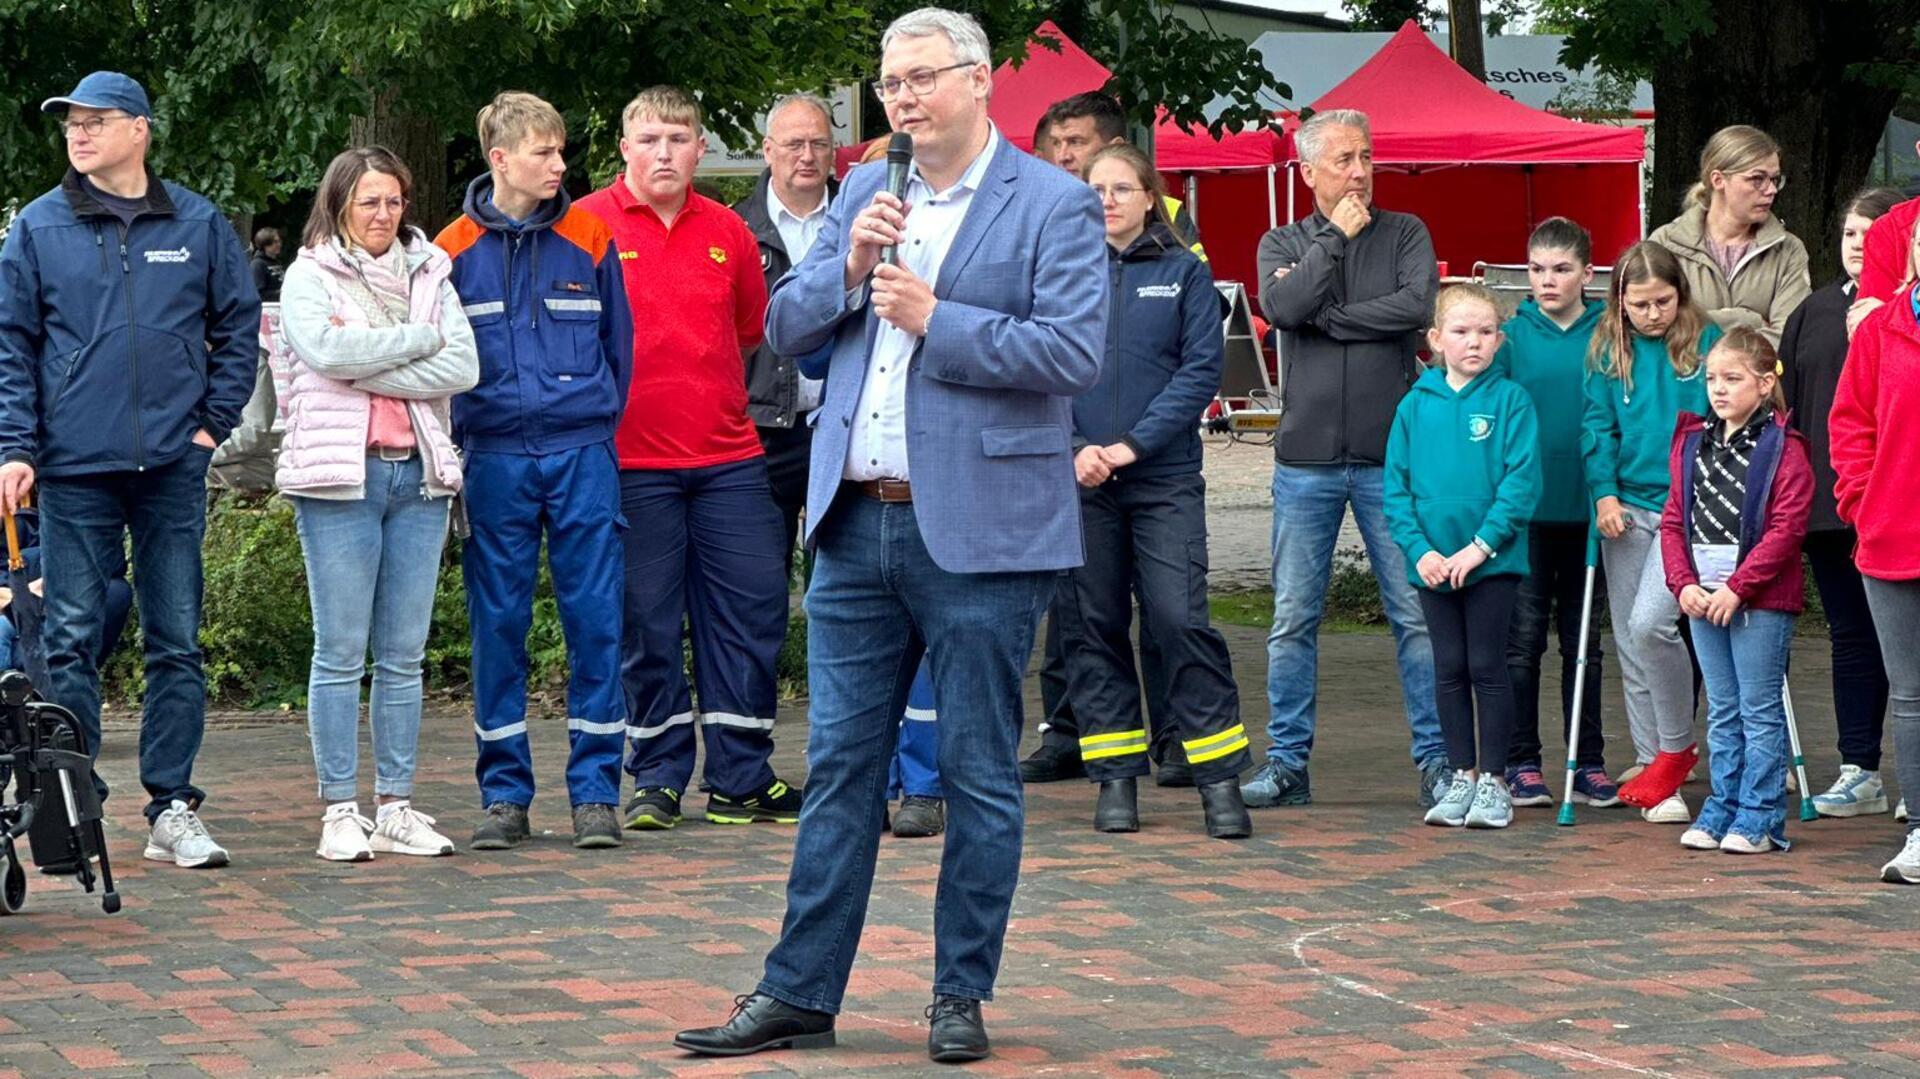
(885, 490)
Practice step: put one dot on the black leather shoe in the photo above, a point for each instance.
(1172, 773)
(1118, 809)
(1052, 762)
(760, 1022)
(1226, 810)
(955, 1033)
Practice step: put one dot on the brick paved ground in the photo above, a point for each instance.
(1344, 939)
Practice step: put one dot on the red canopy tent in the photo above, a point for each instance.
(1480, 168)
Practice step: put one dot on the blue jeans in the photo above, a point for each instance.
(1309, 502)
(84, 522)
(1745, 668)
(372, 564)
(876, 604)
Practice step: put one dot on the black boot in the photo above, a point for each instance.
(1118, 809)
(1226, 811)
(1052, 762)
(955, 1032)
(1170, 768)
(759, 1022)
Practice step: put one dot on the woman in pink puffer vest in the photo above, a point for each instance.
(373, 343)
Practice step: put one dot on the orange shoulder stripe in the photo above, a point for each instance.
(585, 231)
(458, 236)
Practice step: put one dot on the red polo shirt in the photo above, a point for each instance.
(699, 308)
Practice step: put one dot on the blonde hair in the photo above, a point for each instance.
(662, 104)
(512, 116)
(1610, 352)
(1757, 355)
(1466, 292)
(1730, 150)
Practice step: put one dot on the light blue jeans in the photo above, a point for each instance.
(1744, 666)
(1309, 502)
(372, 563)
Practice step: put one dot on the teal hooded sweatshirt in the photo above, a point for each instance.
(1551, 365)
(1627, 437)
(1462, 464)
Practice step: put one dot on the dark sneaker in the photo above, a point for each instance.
(503, 828)
(779, 804)
(1275, 784)
(920, 817)
(595, 826)
(1173, 772)
(1436, 775)
(653, 809)
(1591, 785)
(1052, 762)
(1527, 786)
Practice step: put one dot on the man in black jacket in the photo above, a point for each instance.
(1349, 288)
(785, 213)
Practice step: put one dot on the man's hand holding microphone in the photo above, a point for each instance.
(898, 295)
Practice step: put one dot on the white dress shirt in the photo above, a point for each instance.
(797, 234)
(877, 448)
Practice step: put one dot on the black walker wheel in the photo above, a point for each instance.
(13, 889)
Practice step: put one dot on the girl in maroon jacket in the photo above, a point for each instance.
(1730, 539)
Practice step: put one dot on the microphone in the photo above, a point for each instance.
(899, 160)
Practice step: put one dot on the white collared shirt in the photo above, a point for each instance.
(877, 448)
(797, 235)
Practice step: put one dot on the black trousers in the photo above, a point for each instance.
(1058, 721)
(1555, 582)
(1859, 673)
(1147, 538)
(788, 451)
(1469, 631)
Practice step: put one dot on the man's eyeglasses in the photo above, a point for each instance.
(92, 125)
(920, 81)
(796, 147)
(395, 206)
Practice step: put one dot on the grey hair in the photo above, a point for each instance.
(814, 101)
(1312, 136)
(962, 31)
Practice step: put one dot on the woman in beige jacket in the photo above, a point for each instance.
(1741, 263)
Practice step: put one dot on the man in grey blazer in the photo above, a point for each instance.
(941, 504)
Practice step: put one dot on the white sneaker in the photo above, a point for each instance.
(1451, 810)
(1856, 793)
(408, 831)
(1735, 843)
(1905, 867)
(1698, 839)
(180, 838)
(1900, 811)
(1672, 811)
(343, 834)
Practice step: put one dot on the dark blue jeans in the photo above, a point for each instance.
(84, 523)
(876, 603)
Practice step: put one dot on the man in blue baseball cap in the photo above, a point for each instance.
(128, 327)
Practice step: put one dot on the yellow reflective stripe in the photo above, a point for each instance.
(1238, 730)
(1112, 751)
(1118, 736)
(1215, 754)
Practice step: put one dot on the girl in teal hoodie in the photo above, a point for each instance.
(1461, 479)
(1546, 354)
(1632, 406)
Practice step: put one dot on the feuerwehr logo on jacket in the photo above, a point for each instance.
(177, 255)
(1159, 292)
(1479, 427)
(718, 255)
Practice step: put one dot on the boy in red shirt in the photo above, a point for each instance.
(703, 536)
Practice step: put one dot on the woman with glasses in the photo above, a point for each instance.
(376, 343)
(1143, 503)
(1741, 263)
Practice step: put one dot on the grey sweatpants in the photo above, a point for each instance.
(1655, 672)
(1896, 616)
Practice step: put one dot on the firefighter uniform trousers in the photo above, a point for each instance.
(916, 757)
(573, 498)
(1147, 537)
(703, 551)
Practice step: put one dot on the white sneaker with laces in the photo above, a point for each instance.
(1905, 867)
(180, 838)
(1735, 843)
(1857, 792)
(343, 834)
(1698, 839)
(408, 831)
(1672, 811)
(1900, 811)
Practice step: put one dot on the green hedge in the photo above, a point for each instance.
(257, 632)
